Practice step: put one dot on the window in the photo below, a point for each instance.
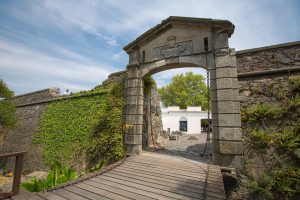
(183, 124)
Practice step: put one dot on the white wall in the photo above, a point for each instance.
(172, 115)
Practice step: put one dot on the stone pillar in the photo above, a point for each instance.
(134, 100)
(226, 119)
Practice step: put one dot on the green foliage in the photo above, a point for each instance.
(8, 117)
(261, 111)
(7, 110)
(261, 139)
(106, 138)
(5, 92)
(281, 183)
(289, 139)
(295, 83)
(148, 84)
(185, 90)
(58, 174)
(275, 128)
(83, 129)
(98, 166)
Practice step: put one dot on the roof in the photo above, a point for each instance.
(207, 23)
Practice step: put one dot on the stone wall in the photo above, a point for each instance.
(265, 70)
(30, 110)
(152, 126)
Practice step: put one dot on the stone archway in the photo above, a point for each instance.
(194, 42)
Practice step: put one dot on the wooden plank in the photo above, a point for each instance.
(197, 170)
(117, 190)
(176, 190)
(169, 162)
(68, 195)
(134, 190)
(160, 181)
(146, 188)
(51, 196)
(23, 194)
(101, 192)
(85, 193)
(185, 170)
(154, 174)
(163, 172)
(6, 155)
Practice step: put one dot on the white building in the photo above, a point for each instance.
(184, 120)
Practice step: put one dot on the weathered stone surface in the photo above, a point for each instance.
(226, 72)
(226, 61)
(133, 129)
(133, 139)
(227, 133)
(133, 73)
(230, 147)
(133, 119)
(133, 148)
(134, 92)
(229, 120)
(137, 100)
(133, 83)
(226, 107)
(267, 58)
(221, 40)
(227, 160)
(227, 83)
(134, 109)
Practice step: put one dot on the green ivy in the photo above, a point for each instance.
(83, 129)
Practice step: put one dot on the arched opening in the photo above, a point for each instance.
(179, 42)
(180, 127)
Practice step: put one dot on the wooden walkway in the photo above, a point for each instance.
(144, 177)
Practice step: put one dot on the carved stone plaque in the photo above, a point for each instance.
(173, 49)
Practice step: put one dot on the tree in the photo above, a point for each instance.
(185, 90)
(7, 109)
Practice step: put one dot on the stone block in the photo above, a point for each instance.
(214, 120)
(134, 91)
(134, 119)
(213, 95)
(133, 139)
(227, 133)
(134, 82)
(136, 100)
(133, 109)
(133, 148)
(132, 129)
(231, 120)
(226, 107)
(133, 73)
(226, 160)
(214, 107)
(227, 95)
(225, 61)
(133, 57)
(227, 83)
(221, 40)
(213, 84)
(212, 74)
(226, 72)
(230, 147)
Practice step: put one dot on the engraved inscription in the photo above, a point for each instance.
(173, 49)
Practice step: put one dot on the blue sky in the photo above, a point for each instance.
(77, 44)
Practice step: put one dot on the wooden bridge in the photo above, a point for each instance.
(144, 177)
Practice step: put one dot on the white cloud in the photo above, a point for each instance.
(38, 70)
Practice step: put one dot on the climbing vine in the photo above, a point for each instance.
(84, 128)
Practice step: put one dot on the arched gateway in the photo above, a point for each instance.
(188, 42)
